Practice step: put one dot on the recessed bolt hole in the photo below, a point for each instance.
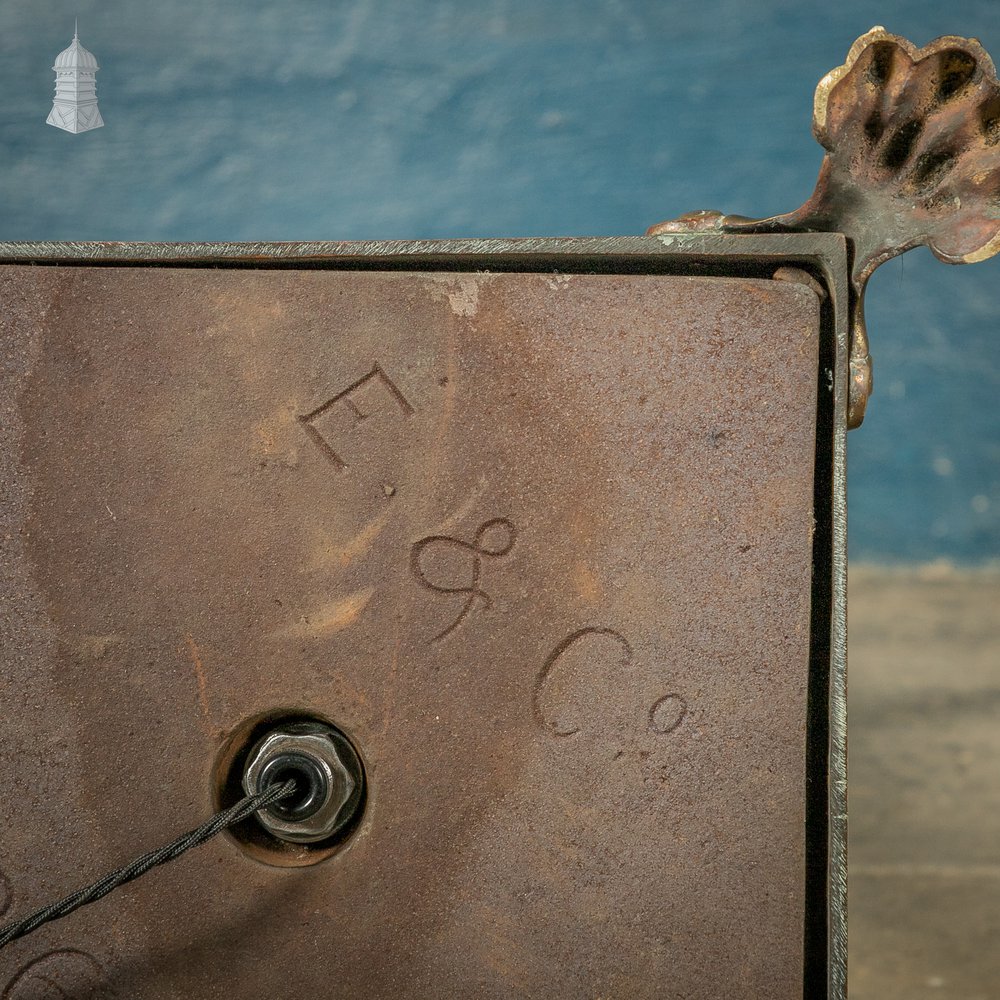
(330, 794)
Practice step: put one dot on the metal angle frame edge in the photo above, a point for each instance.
(825, 257)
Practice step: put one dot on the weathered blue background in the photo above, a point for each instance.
(401, 118)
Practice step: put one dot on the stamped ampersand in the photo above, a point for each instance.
(493, 540)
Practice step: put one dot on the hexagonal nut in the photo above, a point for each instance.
(319, 746)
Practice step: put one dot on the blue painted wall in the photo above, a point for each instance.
(406, 119)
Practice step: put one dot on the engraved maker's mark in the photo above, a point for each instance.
(663, 717)
(666, 714)
(552, 663)
(505, 534)
(64, 973)
(346, 398)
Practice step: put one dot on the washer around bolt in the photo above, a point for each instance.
(327, 770)
(312, 785)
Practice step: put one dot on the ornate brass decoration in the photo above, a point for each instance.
(912, 140)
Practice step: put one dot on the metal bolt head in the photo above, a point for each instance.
(315, 753)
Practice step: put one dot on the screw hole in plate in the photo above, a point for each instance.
(227, 787)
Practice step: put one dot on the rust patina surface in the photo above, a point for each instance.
(539, 544)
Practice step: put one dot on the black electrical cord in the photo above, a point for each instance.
(219, 822)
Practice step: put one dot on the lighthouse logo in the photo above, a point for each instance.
(75, 106)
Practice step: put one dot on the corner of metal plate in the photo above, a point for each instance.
(825, 257)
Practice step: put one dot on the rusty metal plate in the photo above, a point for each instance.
(540, 544)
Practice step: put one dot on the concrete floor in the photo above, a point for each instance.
(924, 730)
